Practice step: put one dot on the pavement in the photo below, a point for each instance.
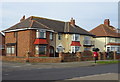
(106, 76)
(11, 66)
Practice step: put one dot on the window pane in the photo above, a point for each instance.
(51, 36)
(75, 37)
(77, 48)
(59, 36)
(37, 34)
(42, 34)
(12, 49)
(8, 50)
(36, 50)
(42, 50)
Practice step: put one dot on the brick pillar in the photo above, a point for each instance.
(114, 55)
(99, 56)
(78, 55)
(104, 55)
(61, 56)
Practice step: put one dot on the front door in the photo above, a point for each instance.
(51, 51)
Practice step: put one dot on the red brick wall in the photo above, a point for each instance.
(26, 43)
(25, 40)
(2, 42)
(31, 59)
(13, 59)
(9, 38)
(47, 60)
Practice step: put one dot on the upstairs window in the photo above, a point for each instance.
(86, 38)
(75, 37)
(51, 36)
(40, 34)
(59, 36)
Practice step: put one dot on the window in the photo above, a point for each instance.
(118, 49)
(86, 38)
(37, 49)
(59, 36)
(112, 40)
(60, 49)
(108, 49)
(112, 48)
(40, 34)
(86, 49)
(75, 37)
(75, 49)
(51, 36)
(10, 50)
(40, 50)
(15, 34)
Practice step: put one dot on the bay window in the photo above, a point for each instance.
(75, 49)
(87, 49)
(40, 49)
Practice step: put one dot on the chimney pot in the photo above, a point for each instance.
(107, 22)
(23, 18)
(72, 21)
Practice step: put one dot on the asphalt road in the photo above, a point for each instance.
(58, 73)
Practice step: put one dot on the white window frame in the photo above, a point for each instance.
(38, 32)
(10, 50)
(73, 49)
(74, 37)
(51, 35)
(87, 49)
(59, 36)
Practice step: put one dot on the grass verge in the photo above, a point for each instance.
(108, 62)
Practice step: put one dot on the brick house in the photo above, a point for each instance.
(37, 36)
(2, 43)
(107, 37)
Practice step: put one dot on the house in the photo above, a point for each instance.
(107, 37)
(37, 36)
(2, 43)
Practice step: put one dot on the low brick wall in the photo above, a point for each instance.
(87, 58)
(44, 59)
(31, 59)
(14, 59)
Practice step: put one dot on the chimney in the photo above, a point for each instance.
(23, 18)
(72, 21)
(107, 22)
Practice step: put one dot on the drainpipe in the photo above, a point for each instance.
(16, 42)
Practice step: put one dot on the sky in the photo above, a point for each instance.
(87, 15)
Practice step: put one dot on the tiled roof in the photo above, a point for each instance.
(58, 26)
(104, 30)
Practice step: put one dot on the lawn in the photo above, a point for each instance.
(108, 62)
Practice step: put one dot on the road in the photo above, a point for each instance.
(64, 73)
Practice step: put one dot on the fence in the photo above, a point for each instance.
(63, 57)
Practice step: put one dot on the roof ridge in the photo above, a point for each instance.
(31, 23)
(47, 18)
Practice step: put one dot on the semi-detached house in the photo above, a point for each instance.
(107, 37)
(37, 36)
